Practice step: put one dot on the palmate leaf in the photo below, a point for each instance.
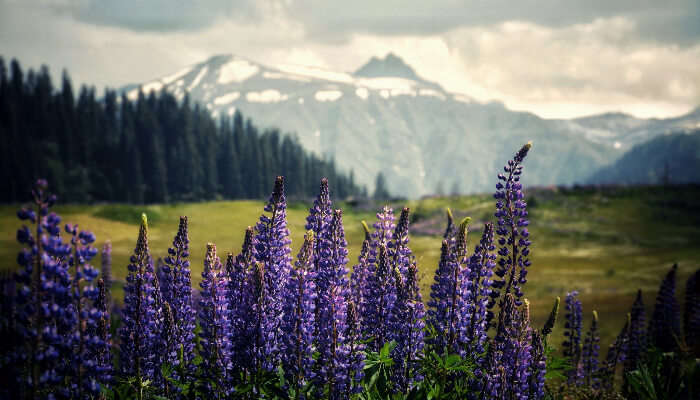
(377, 383)
(665, 376)
(556, 366)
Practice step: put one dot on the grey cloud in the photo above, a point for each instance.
(326, 21)
(162, 15)
(674, 20)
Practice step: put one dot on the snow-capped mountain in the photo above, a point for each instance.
(384, 117)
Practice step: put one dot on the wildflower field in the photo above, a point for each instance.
(310, 304)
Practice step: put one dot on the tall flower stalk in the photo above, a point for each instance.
(140, 330)
(83, 294)
(213, 317)
(333, 289)
(298, 323)
(637, 341)
(475, 295)
(241, 303)
(591, 348)
(665, 324)
(572, 344)
(409, 329)
(273, 252)
(177, 277)
(513, 236)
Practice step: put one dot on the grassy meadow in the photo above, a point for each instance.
(605, 242)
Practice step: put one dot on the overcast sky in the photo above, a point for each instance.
(556, 58)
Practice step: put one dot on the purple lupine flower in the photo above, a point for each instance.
(408, 329)
(107, 264)
(538, 367)
(591, 348)
(176, 276)
(398, 247)
(273, 251)
(83, 294)
(213, 319)
(665, 324)
(691, 314)
(98, 359)
(356, 354)
(359, 276)
(475, 292)
(510, 354)
(240, 305)
(514, 240)
(443, 299)
(616, 355)
(448, 292)
(572, 335)
(637, 343)
(379, 308)
(332, 289)
(43, 312)
(298, 322)
(258, 351)
(140, 330)
(521, 364)
(319, 221)
(169, 352)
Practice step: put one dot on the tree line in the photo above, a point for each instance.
(150, 149)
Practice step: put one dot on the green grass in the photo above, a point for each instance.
(605, 243)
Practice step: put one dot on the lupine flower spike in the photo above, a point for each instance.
(591, 349)
(272, 250)
(616, 355)
(213, 317)
(476, 294)
(178, 277)
(637, 334)
(665, 324)
(298, 321)
(514, 238)
(572, 335)
(241, 302)
(140, 330)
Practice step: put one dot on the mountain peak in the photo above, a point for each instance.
(391, 65)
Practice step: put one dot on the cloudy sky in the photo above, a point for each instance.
(556, 58)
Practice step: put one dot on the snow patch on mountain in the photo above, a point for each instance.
(432, 93)
(237, 70)
(227, 98)
(328, 95)
(280, 75)
(266, 96)
(316, 73)
(362, 93)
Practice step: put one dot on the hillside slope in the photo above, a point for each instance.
(671, 158)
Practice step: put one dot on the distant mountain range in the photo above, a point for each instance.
(385, 118)
(669, 158)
